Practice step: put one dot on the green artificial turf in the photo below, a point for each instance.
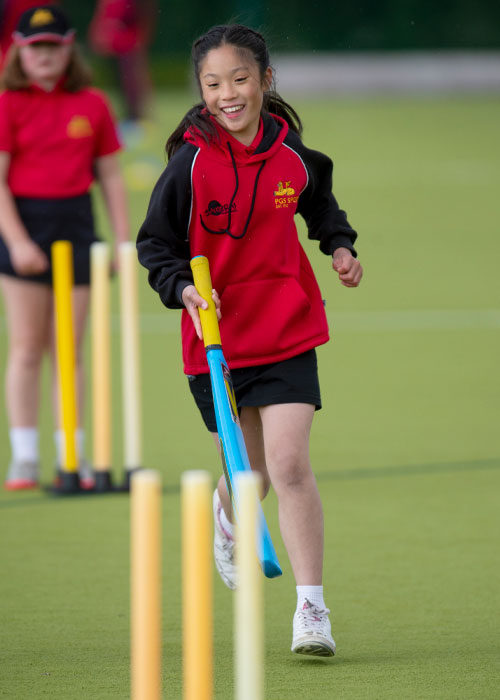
(405, 449)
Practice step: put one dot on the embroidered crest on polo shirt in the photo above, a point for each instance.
(284, 195)
(41, 17)
(79, 127)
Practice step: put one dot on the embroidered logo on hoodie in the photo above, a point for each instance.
(284, 195)
(216, 209)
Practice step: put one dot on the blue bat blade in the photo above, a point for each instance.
(234, 452)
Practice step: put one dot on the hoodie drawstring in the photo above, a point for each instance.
(228, 227)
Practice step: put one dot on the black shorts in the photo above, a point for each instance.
(49, 220)
(290, 381)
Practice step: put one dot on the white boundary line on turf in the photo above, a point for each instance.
(416, 320)
(352, 321)
(368, 321)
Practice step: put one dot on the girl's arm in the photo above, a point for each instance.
(326, 222)
(26, 256)
(348, 267)
(110, 179)
(163, 239)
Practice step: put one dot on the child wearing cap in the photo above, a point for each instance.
(56, 136)
(10, 12)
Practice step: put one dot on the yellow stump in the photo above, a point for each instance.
(249, 657)
(101, 355)
(129, 317)
(197, 585)
(62, 266)
(146, 585)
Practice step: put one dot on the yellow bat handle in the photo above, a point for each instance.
(203, 284)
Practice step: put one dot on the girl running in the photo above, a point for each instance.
(238, 173)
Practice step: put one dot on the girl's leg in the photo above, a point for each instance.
(251, 426)
(223, 531)
(286, 430)
(28, 313)
(27, 308)
(135, 82)
(277, 441)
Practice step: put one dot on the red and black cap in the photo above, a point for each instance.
(43, 23)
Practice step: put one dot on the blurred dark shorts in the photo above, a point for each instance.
(49, 220)
(291, 381)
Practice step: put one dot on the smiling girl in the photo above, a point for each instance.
(237, 175)
(56, 136)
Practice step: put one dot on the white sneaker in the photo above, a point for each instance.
(224, 547)
(22, 474)
(312, 632)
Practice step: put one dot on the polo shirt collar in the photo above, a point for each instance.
(58, 87)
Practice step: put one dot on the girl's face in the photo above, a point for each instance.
(233, 90)
(45, 62)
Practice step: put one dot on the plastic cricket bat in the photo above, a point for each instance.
(233, 450)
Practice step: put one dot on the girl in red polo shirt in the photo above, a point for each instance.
(238, 173)
(56, 136)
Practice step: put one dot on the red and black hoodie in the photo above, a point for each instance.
(236, 205)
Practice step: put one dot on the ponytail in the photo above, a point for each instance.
(275, 104)
(197, 119)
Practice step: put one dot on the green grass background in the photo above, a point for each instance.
(405, 450)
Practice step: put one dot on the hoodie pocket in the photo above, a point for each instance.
(263, 318)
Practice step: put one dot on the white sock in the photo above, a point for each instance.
(59, 443)
(24, 444)
(314, 595)
(227, 525)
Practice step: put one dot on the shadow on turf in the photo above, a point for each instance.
(298, 660)
(48, 493)
(337, 475)
(409, 470)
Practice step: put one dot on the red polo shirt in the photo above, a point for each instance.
(53, 139)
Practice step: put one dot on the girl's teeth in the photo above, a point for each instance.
(232, 109)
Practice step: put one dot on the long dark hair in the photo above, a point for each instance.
(245, 39)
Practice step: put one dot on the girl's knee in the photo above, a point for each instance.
(292, 474)
(26, 356)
